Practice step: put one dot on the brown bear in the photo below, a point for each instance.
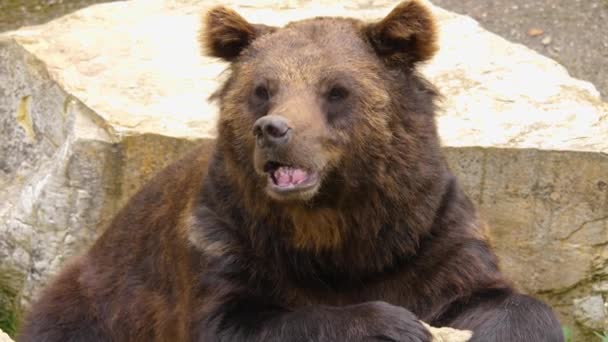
(326, 211)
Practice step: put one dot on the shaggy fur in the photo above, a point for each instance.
(381, 236)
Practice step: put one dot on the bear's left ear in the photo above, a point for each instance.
(225, 33)
(407, 35)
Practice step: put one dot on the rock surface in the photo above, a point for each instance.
(4, 337)
(92, 104)
(591, 312)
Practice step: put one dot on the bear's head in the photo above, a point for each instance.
(326, 107)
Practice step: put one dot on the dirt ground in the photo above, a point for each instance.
(574, 32)
(17, 13)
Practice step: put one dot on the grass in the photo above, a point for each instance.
(9, 320)
(10, 311)
(568, 335)
(603, 336)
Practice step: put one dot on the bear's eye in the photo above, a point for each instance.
(261, 92)
(337, 93)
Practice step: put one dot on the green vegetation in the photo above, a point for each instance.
(567, 333)
(603, 337)
(10, 310)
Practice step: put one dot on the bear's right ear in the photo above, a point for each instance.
(225, 33)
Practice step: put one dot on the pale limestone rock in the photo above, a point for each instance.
(4, 337)
(93, 103)
(591, 312)
(601, 287)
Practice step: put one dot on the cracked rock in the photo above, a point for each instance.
(591, 312)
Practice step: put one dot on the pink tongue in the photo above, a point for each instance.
(287, 176)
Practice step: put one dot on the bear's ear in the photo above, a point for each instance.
(225, 33)
(407, 35)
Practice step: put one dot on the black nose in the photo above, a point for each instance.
(272, 130)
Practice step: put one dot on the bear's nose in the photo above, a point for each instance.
(272, 130)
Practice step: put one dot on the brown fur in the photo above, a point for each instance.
(407, 25)
(227, 33)
(382, 238)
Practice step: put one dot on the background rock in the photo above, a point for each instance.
(4, 337)
(591, 312)
(92, 104)
(570, 31)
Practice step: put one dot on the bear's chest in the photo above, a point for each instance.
(404, 289)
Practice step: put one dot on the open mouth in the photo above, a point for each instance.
(285, 178)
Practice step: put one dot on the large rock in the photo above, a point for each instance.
(92, 104)
(4, 337)
(591, 312)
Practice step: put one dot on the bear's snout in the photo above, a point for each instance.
(272, 131)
